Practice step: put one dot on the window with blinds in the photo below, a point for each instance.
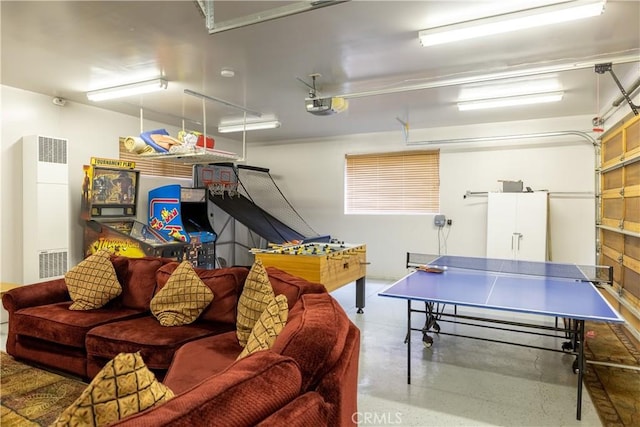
(393, 183)
(156, 167)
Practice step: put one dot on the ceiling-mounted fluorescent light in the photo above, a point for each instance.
(292, 8)
(508, 101)
(127, 90)
(529, 18)
(229, 126)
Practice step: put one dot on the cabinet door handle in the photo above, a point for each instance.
(518, 238)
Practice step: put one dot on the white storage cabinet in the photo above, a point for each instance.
(517, 226)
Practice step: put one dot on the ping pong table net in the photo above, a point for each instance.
(588, 273)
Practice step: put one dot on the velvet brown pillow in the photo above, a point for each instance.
(138, 279)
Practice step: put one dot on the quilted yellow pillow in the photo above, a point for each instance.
(93, 282)
(269, 325)
(125, 386)
(256, 295)
(182, 299)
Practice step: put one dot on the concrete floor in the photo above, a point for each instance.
(456, 382)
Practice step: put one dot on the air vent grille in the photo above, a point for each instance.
(52, 150)
(52, 264)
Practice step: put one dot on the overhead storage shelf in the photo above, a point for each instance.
(196, 157)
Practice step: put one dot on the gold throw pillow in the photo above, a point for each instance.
(256, 295)
(268, 327)
(93, 282)
(182, 299)
(125, 386)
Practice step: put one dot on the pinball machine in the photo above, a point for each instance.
(109, 209)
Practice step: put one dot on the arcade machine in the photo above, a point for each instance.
(109, 200)
(181, 213)
(250, 195)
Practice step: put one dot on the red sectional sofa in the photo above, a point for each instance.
(308, 377)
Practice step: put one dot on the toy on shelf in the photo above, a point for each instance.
(188, 147)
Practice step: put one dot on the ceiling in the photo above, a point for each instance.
(360, 48)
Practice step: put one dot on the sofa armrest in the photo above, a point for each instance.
(36, 294)
(33, 295)
(309, 409)
(242, 395)
(339, 387)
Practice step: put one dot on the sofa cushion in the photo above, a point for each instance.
(182, 299)
(308, 340)
(225, 283)
(268, 326)
(156, 343)
(56, 323)
(290, 286)
(245, 393)
(256, 295)
(200, 359)
(138, 279)
(93, 282)
(122, 388)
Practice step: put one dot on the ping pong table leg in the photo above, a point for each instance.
(580, 332)
(409, 341)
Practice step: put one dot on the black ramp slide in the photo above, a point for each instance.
(255, 219)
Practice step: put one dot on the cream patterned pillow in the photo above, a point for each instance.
(93, 282)
(269, 325)
(182, 299)
(256, 295)
(125, 386)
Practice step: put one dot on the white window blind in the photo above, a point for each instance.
(393, 183)
(156, 167)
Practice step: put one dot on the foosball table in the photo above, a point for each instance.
(332, 264)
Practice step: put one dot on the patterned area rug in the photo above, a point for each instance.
(33, 397)
(615, 391)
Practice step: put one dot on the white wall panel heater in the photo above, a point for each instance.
(45, 208)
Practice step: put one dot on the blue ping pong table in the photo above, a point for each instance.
(555, 290)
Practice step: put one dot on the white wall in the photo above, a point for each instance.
(311, 175)
(91, 131)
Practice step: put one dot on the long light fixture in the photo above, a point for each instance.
(228, 126)
(122, 91)
(509, 101)
(207, 9)
(529, 18)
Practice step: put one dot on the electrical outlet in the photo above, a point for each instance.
(449, 222)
